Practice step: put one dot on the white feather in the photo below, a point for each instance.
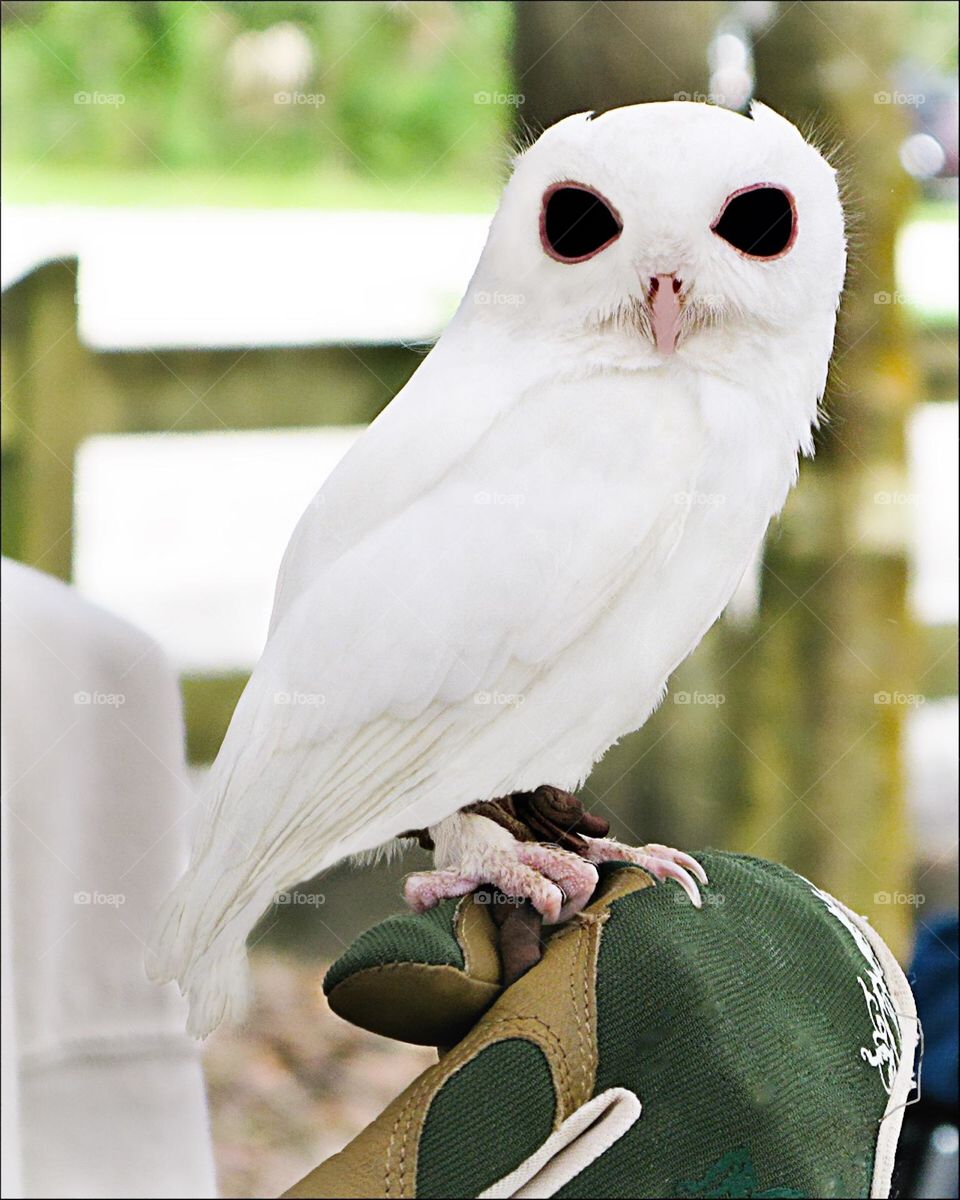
(497, 581)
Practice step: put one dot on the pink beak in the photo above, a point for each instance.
(665, 303)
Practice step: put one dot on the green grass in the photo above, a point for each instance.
(27, 183)
(53, 184)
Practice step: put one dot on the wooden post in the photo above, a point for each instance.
(51, 398)
(837, 589)
(575, 56)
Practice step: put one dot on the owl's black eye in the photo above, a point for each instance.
(576, 223)
(759, 221)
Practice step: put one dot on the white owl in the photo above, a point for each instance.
(495, 584)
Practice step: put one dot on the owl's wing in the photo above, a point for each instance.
(362, 719)
(443, 411)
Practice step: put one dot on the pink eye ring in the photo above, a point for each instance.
(759, 221)
(576, 222)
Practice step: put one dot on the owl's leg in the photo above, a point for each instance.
(472, 850)
(661, 862)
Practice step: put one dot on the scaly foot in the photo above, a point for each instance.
(472, 850)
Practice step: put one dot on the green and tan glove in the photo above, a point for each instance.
(761, 1046)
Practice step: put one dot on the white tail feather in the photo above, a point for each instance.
(212, 972)
(166, 952)
(217, 986)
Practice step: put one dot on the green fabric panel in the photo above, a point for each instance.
(488, 1117)
(427, 938)
(740, 1028)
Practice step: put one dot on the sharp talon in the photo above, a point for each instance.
(681, 877)
(664, 868)
(661, 862)
(681, 859)
(691, 864)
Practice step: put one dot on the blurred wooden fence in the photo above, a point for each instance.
(57, 392)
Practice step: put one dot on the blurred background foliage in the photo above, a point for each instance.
(381, 94)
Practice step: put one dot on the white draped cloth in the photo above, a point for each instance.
(104, 1091)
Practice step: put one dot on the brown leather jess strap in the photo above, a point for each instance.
(545, 815)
